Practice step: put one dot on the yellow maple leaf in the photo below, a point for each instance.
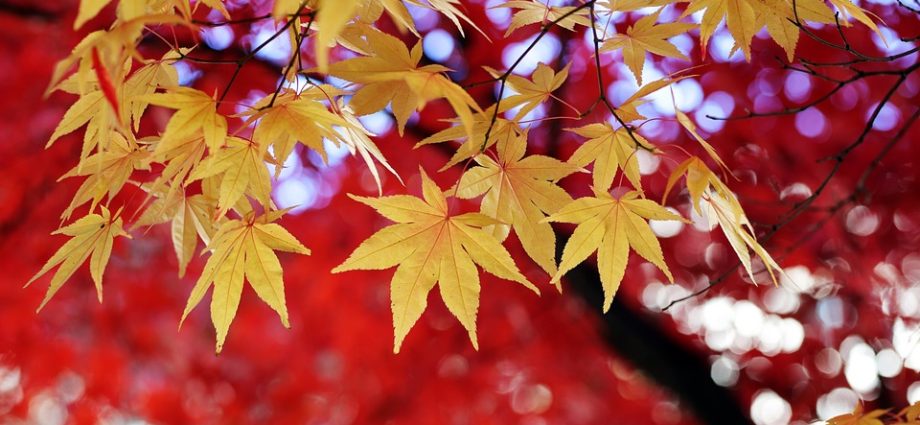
(610, 150)
(241, 165)
(646, 37)
(112, 48)
(195, 111)
(431, 246)
(144, 81)
(358, 141)
(474, 143)
(244, 248)
(331, 19)
(371, 11)
(712, 199)
(106, 172)
(688, 125)
(189, 218)
(740, 19)
(629, 109)
(780, 24)
(179, 155)
(518, 191)
(332, 16)
(531, 93)
(611, 226)
(93, 111)
(849, 9)
(449, 9)
(90, 235)
(628, 5)
(87, 10)
(390, 75)
(531, 12)
(295, 117)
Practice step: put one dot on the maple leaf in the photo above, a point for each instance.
(244, 248)
(611, 226)
(712, 199)
(474, 143)
(610, 150)
(857, 417)
(331, 19)
(740, 19)
(241, 165)
(848, 9)
(629, 109)
(449, 10)
(628, 5)
(294, 118)
(519, 191)
(358, 140)
(91, 235)
(88, 10)
(180, 155)
(195, 111)
(532, 12)
(781, 26)
(92, 110)
(910, 414)
(531, 94)
(130, 9)
(144, 81)
(108, 49)
(431, 247)
(190, 219)
(107, 172)
(744, 18)
(371, 11)
(217, 5)
(646, 37)
(390, 75)
(688, 125)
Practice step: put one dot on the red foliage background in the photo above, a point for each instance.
(542, 360)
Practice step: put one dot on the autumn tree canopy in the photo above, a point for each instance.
(741, 172)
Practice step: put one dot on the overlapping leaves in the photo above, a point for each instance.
(211, 180)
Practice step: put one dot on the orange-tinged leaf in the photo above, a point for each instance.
(105, 83)
(688, 125)
(431, 247)
(857, 417)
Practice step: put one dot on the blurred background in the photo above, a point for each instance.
(844, 329)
